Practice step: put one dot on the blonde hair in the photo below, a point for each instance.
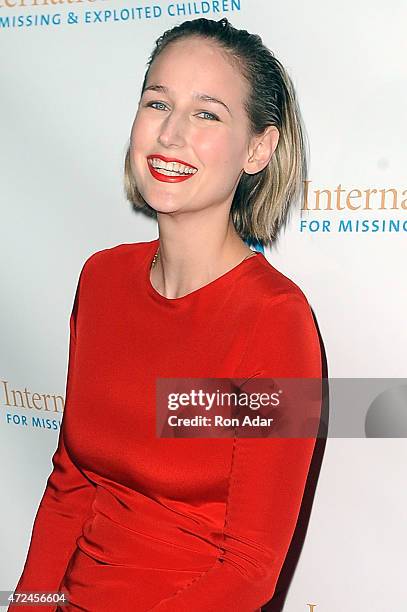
(262, 201)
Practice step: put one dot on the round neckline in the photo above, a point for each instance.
(215, 282)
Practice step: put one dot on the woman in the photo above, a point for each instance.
(131, 521)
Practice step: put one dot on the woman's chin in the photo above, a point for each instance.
(163, 208)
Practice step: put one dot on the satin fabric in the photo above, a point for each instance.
(132, 522)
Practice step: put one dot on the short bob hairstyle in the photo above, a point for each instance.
(262, 201)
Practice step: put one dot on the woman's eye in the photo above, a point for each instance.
(213, 117)
(152, 103)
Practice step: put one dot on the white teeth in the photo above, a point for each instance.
(173, 167)
(171, 172)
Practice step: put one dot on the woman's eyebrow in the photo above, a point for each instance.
(197, 95)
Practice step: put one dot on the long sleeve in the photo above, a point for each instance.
(267, 478)
(63, 508)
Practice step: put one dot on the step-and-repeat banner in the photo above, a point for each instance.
(71, 73)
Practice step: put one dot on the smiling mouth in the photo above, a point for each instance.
(172, 168)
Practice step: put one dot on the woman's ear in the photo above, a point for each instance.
(261, 150)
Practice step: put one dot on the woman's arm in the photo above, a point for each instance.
(66, 502)
(267, 479)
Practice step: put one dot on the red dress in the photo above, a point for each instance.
(132, 522)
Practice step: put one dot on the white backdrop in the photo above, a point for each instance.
(68, 97)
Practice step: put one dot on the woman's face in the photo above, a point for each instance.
(173, 122)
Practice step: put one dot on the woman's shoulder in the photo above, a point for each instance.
(116, 257)
(271, 285)
(284, 339)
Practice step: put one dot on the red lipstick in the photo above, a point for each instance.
(164, 177)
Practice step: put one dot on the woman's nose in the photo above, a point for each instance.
(172, 130)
